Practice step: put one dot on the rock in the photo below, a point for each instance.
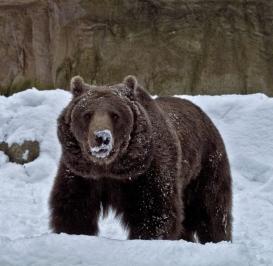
(21, 153)
(187, 46)
(4, 147)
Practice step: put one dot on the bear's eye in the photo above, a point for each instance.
(87, 116)
(115, 117)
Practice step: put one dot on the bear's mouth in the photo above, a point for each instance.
(101, 151)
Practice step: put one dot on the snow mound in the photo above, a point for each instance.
(246, 124)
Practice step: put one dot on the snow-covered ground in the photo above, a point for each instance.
(246, 123)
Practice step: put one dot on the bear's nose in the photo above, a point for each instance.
(103, 137)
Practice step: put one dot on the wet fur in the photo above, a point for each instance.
(171, 181)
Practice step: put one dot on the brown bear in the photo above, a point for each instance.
(159, 163)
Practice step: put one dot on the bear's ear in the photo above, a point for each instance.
(77, 86)
(131, 84)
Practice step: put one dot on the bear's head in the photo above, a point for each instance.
(105, 131)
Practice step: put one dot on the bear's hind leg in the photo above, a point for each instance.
(74, 204)
(214, 202)
(190, 212)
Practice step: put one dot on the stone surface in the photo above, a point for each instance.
(186, 46)
(4, 147)
(23, 153)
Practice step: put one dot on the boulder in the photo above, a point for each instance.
(23, 153)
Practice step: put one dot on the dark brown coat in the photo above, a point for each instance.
(167, 174)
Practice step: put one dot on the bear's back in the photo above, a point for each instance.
(185, 116)
(197, 134)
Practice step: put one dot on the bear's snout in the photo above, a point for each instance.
(102, 137)
(103, 143)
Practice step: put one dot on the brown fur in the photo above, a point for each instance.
(167, 176)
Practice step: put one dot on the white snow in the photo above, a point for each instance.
(103, 150)
(25, 155)
(3, 158)
(246, 124)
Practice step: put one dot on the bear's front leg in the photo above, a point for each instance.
(74, 204)
(152, 211)
(156, 227)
